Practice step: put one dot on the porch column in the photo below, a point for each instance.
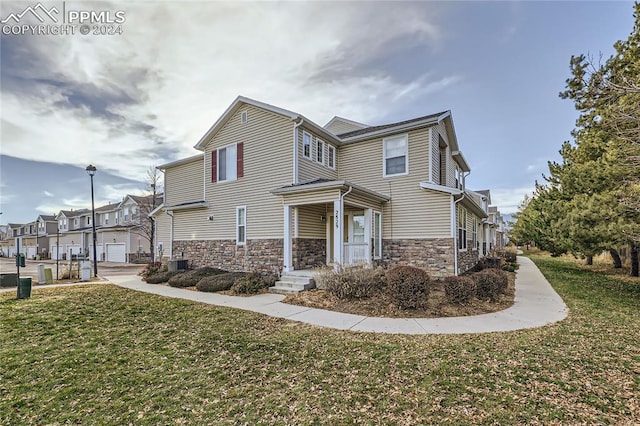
(338, 232)
(288, 257)
(368, 217)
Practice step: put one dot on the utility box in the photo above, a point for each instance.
(178, 265)
(41, 273)
(48, 276)
(85, 271)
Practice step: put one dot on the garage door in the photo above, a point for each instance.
(73, 249)
(31, 252)
(115, 253)
(54, 252)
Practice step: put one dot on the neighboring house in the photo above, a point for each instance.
(5, 241)
(273, 191)
(122, 231)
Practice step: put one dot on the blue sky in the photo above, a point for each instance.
(145, 97)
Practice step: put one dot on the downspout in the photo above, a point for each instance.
(454, 227)
(341, 230)
(295, 149)
(170, 213)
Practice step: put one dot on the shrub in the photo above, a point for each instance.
(250, 284)
(356, 282)
(490, 283)
(162, 277)
(151, 268)
(408, 286)
(191, 278)
(510, 255)
(510, 267)
(459, 289)
(219, 282)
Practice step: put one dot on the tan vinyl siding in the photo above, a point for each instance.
(310, 168)
(412, 212)
(193, 224)
(310, 224)
(268, 164)
(361, 201)
(339, 126)
(163, 231)
(184, 183)
(312, 197)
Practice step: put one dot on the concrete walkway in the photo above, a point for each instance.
(536, 304)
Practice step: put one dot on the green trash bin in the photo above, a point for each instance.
(24, 288)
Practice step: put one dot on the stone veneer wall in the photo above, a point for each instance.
(433, 254)
(309, 252)
(265, 256)
(467, 259)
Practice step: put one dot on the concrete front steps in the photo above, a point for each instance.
(294, 282)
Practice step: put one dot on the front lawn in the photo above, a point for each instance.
(105, 355)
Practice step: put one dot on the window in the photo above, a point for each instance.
(241, 225)
(105, 218)
(244, 117)
(126, 213)
(474, 233)
(227, 163)
(88, 220)
(395, 156)
(377, 235)
(462, 228)
(117, 217)
(320, 151)
(332, 157)
(306, 145)
(75, 222)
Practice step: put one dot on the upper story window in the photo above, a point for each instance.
(306, 145)
(244, 117)
(105, 218)
(75, 222)
(227, 163)
(41, 226)
(320, 151)
(88, 220)
(117, 217)
(331, 161)
(396, 158)
(126, 213)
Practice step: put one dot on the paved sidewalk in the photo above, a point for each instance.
(536, 304)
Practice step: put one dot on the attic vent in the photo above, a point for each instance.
(244, 117)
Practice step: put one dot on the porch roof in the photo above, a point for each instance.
(322, 184)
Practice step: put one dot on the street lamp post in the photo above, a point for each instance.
(91, 169)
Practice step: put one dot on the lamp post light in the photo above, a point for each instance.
(91, 169)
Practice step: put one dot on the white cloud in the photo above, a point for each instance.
(178, 66)
(47, 193)
(509, 199)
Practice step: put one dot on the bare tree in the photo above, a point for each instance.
(148, 203)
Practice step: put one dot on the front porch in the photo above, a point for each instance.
(330, 223)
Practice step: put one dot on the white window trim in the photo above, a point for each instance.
(244, 117)
(331, 152)
(218, 164)
(310, 143)
(378, 243)
(241, 243)
(320, 143)
(384, 159)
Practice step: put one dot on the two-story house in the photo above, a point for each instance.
(274, 191)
